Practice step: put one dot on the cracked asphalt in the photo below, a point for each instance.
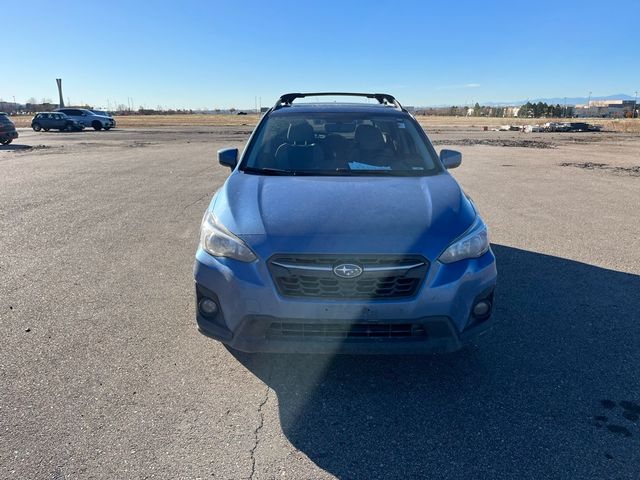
(104, 375)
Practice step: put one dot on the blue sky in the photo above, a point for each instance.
(208, 54)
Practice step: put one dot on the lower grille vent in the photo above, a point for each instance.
(345, 330)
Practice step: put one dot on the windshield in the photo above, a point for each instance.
(5, 120)
(340, 144)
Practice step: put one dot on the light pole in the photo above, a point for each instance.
(61, 101)
(589, 105)
(635, 106)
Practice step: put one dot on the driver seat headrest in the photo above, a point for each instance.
(369, 137)
(300, 134)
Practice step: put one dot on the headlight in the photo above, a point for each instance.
(219, 242)
(473, 243)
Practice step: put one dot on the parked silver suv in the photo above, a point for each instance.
(89, 118)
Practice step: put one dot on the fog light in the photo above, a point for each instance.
(208, 307)
(482, 309)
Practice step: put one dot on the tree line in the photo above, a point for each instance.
(542, 109)
(528, 110)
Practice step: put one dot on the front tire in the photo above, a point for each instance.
(36, 127)
(7, 141)
(46, 129)
(96, 125)
(107, 128)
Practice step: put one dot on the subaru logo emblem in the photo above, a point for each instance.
(347, 270)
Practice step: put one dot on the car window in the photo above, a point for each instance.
(340, 144)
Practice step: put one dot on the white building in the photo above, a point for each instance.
(606, 109)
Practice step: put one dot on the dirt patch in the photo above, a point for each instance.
(633, 171)
(496, 142)
(29, 148)
(586, 139)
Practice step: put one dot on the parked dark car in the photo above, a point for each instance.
(88, 118)
(7, 129)
(54, 121)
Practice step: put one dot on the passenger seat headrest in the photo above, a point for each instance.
(300, 134)
(369, 137)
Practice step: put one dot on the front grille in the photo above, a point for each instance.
(345, 330)
(312, 286)
(383, 276)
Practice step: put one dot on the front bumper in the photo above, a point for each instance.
(254, 317)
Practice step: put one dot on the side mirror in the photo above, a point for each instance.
(228, 157)
(450, 158)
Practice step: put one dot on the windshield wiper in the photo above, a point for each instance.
(376, 171)
(345, 172)
(278, 171)
(268, 171)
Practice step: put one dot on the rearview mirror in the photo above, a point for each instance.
(450, 158)
(228, 157)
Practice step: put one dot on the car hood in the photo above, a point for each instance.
(285, 214)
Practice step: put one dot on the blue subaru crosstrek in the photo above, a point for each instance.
(340, 230)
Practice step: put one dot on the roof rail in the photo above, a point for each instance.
(382, 98)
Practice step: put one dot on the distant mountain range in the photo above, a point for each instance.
(562, 100)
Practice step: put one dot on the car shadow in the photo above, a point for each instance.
(14, 146)
(61, 131)
(537, 397)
